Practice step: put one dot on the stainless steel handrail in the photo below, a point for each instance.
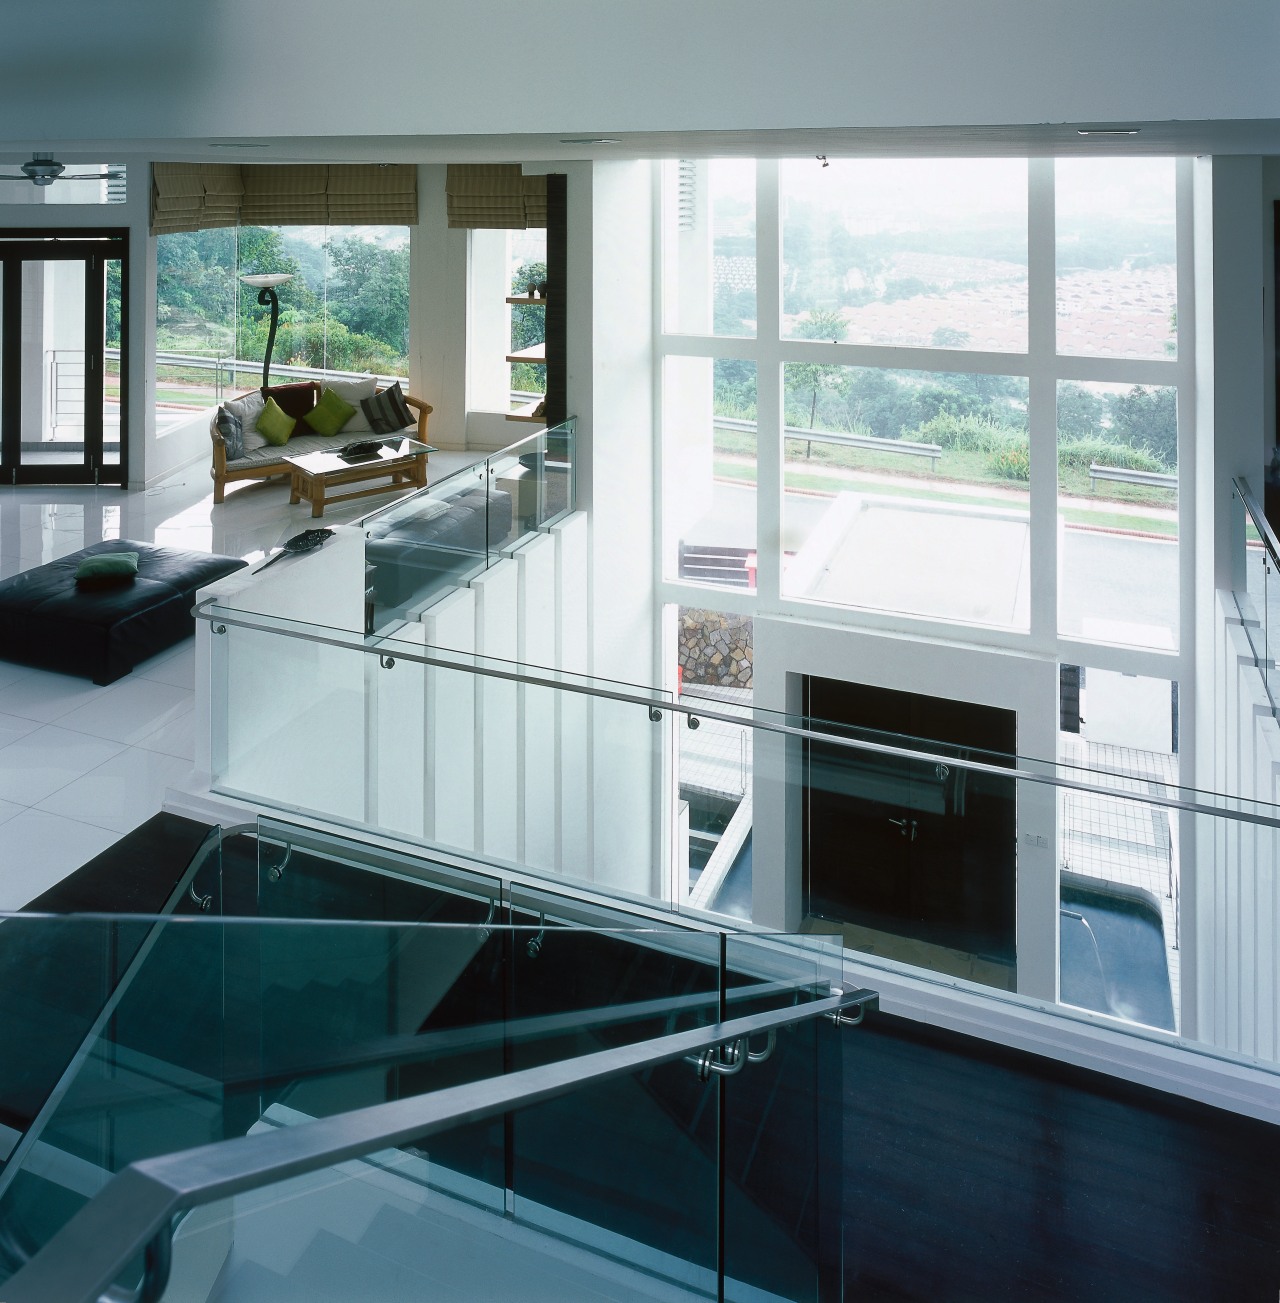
(135, 1210)
(655, 700)
(1260, 522)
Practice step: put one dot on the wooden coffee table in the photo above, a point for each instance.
(314, 475)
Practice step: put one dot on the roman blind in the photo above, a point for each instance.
(195, 196)
(494, 196)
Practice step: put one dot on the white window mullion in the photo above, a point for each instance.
(1186, 382)
(1042, 400)
(769, 507)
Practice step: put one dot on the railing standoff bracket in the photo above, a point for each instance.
(858, 1002)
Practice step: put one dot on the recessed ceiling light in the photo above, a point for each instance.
(1107, 131)
(591, 140)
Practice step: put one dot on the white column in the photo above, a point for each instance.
(496, 713)
(537, 708)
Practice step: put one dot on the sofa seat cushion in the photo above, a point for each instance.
(48, 621)
(413, 559)
(299, 444)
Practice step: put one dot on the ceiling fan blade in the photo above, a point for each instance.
(5, 176)
(91, 176)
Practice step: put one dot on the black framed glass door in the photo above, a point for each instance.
(62, 359)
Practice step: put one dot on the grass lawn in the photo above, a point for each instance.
(955, 464)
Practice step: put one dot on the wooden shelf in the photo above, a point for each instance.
(534, 353)
(522, 299)
(526, 413)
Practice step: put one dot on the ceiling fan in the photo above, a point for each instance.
(44, 169)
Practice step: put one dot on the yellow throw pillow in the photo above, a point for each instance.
(274, 425)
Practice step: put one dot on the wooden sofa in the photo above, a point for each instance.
(262, 461)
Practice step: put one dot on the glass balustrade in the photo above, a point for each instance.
(211, 1028)
(1257, 583)
(1071, 887)
(432, 542)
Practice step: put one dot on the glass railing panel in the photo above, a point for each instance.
(559, 472)
(423, 546)
(395, 1226)
(538, 476)
(626, 1169)
(289, 726)
(426, 545)
(783, 1126)
(518, 764)
(231, 1026)
(1255, 582)
(784, 724)
(305, 873)
(1267, 645)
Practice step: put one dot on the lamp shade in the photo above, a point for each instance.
(267, 281)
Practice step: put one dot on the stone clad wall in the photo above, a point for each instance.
(715, 648)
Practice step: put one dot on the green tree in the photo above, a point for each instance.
(112, 339)
(814, 378)
(1081, 412)
(368, 290)
(1147, 417)
(528, 327)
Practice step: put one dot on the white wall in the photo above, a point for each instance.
(438, 302)
(610, 390)
(1234, 900)
(411, 66)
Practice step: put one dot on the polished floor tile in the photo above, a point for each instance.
(122, 792)
(38, 849)
(177, 666)
(13, 727)
(10, 673)
(97, 761)
(177, 737)
(129, 710)
(43, 696)
(47, 759)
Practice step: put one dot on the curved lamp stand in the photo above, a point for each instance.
(267, 298)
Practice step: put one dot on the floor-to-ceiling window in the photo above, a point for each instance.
(948, 390)
(345, 308)
(949, 399)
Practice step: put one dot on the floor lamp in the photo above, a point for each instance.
(266, 287)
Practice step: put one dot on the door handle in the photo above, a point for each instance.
(908, 827)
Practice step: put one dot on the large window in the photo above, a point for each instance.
(346, 308)
(898, 251)
(947, 348)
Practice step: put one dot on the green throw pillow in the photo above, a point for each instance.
(105, 568)
(274, 425)
(330, 414)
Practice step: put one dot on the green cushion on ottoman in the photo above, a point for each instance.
(104, 569)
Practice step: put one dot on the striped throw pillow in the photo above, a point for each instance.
(388, 413)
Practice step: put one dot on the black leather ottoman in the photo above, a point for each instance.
(101, 634)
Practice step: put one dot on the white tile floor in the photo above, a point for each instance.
(80, 765)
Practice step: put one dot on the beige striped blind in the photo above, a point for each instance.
(195, 196)
(494, 196)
